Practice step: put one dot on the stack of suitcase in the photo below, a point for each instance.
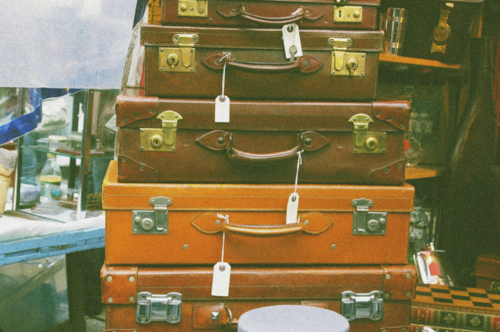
(255, 168)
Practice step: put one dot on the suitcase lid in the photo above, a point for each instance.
(248, 197)
(121, 284)
(134, 110)
(269, 39)
(488, 266)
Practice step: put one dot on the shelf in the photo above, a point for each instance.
(72, 153)
(423, 171)
(390, 58)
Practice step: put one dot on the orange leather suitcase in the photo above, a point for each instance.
(183, 224)
(374, 298)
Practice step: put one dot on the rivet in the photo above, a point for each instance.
(408, 275)
(383, 150)
(192, 69)
(109, 278)
(387, 170)
(131, 299)
(387, 295)
(408, 293)
(307, 12)
(306, 222)
(377, 316)
(141, 167)
(388, 276)
(142, 130)
(137, 219)
(355, 150)
(110, 299)
(124, 159)
(333, 73)
(173, 148)
(326, 22)
(403, 329)
(161, 49)
(142, 148)
(217, 222)
(308, 141)
(401, 125)
(399, 165)
(185, 246)
(136, 115)
(362, 74)
(389, 118)
(339, 145)
(161, 68)
(377, 112)
(152, 110)
(153, 173)
(384, 330)
(110, 268)
(131, 279)
(124, 120)
(334, 246)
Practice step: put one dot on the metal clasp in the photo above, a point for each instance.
(365, 222)
(345, 63)
(164, 140)
(181, 59)
(365, 141)
(152, 221)
(153, 307)
(192, 8)
(363, 305)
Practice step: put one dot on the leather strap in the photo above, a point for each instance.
(231, 11)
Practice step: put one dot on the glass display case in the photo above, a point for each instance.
(61, 164)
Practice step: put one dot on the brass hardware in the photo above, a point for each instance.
(441, 32)
(181, 59)
(347, 14)
(192, 8)
(365, 141)
(345, 63)
(152, 139)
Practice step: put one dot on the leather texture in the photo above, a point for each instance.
(328, 209)
(261, 46)
(256, 287)
(487, 271)
(261, 142)
(315, 14)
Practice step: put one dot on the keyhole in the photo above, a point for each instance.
(371, 144)
(172, 60)
(156, 141)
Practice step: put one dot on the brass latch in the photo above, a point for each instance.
(347, 14)
(192, 8)
(181, 59)
(152, 221)
(364, 141)
(345, 63)
(441, 32)
(164, 139)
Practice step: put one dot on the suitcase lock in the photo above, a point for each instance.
(153, 307)
(164, 139)
(365, 222)
(178, 59)
(152, 221)
(365, 141)
(348, 14)
(345, 63)
(192, 8)
(363, 305)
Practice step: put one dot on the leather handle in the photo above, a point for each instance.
(219, 140)
(306, 13)
(262, 230)
(305, 64)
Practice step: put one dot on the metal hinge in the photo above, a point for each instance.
(365, 141)
(362, 305)
(365, 222)
(181, 59)
(345, 63)
(347, 14)
(152, 221)
(163, 308)
(152, 139)
(192, 8)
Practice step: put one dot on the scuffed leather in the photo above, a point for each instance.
(395, 113)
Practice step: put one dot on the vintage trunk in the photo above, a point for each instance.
(189, 62)
(315, 14)
(174, 140)
(179, 224)
(381, 295)
(488, 271)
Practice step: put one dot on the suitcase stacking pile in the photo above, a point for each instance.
(255, 168)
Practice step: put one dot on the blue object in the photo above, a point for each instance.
(292, 318)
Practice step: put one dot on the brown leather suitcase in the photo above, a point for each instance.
(375, 298)
(340, 142)
(317, 14)
(183, 224)
(188, 62)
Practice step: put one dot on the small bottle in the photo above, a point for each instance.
(50, 180)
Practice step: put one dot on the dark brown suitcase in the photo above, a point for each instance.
(188, 62)
(356, 143)
(375, 298)
(313, 14)
(183, 224)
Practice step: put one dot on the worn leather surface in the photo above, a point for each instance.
(260, 128)
(320, 14)
(488, 266)
(254, 287)
(257, 205)
(261, 46)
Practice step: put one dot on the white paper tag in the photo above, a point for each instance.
(291, 37)
(220, 281)
(292, 208)
(222, 109)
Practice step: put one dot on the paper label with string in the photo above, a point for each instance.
(222, 109)
(292, 209)
(291, 40)
(221, 279)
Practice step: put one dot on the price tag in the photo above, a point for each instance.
(220, 281)
(292, 209)
(222, 109)
(291, 40)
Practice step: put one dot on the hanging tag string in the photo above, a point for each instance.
(226, 55)
(299, 162)
(226, 220)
